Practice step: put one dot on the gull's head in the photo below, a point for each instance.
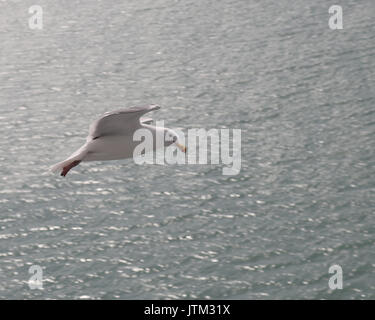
(172, 137)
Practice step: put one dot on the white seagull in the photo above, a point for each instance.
(111, 137)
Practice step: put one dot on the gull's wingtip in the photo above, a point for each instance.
(154, 107)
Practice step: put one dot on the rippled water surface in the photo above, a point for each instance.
(302, 94)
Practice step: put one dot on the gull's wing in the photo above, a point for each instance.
(118, 122)
(146, 120)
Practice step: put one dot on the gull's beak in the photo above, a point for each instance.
(181, 147)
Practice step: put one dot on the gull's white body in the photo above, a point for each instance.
(114, 147)
(110, 148)
(111, 138)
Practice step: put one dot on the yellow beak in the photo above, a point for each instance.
(181, 147)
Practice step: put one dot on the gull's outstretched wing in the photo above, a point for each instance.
(146, 120)
(118, 122)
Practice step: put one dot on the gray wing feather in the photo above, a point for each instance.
(119, 122)
(146, 120)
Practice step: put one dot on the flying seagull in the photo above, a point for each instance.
(111, 137)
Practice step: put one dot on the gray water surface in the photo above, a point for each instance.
(302, 94)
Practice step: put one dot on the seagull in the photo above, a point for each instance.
(111, 137)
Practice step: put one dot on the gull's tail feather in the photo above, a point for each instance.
(72, 161)
(60, 166)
